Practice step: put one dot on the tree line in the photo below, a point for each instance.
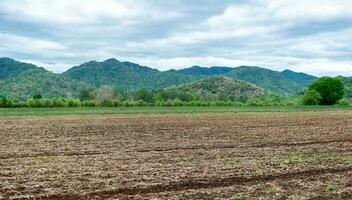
(324, 91)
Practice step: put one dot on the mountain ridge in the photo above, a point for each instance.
(129, 76)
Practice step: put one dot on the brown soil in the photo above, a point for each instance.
(219, 156)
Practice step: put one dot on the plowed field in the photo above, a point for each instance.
(306, 155)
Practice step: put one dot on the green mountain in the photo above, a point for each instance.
(197, 70)
(39, 81)
(126, 75)
(10, 68)
(130, 76)
(21, 80)
(268, 79)
(347, 81)
(299, 77)
(219, 87)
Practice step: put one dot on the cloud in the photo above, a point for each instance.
(307, 35)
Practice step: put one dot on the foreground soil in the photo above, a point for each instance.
(304, 155)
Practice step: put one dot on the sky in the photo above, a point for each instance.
(312, 36)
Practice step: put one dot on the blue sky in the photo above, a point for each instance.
(313, 36)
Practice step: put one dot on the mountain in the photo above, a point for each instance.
(299, 77)
(265, 78)
(10, 68)
(126, 75)
(39, 81)
(218, 87)
(286, 81)
(347, 81)
(130, 76)
(197, 70)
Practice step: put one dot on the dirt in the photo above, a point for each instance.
(304, 155)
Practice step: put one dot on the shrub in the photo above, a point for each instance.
(59, 102)
(253, 102)
(34, 103)
(6, 103)
(343, 102)
(71, 102)
(330, 89)
(311, 97)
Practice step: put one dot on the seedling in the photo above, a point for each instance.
(238, 197)
(114, 183)
(293, 158)
(273, 191)
(232, 163)
(45, 158)
(330, 188)
(298, 196)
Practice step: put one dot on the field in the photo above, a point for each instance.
(229, 155)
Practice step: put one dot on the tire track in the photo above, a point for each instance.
(14, 156)
(197, 184)
(232, 146)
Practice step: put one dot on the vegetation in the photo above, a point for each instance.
(129, 76)
(113, 83)
(39, 81)
(311, 97)
(10, 68)
(83, 110)
(267, 79)
(238, 197)
(330, 89)
(330, 187)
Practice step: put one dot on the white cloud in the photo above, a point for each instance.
(86, 11)
(310, 9)
(307, 35)
(22, 43)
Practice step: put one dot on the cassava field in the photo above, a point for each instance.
(293, 155)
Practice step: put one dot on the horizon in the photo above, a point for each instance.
(308, 36)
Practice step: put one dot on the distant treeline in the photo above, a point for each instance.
(106, 96)
(324, 91)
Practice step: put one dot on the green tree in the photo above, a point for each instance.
(330, 89)
(311, 97)
(37, 96)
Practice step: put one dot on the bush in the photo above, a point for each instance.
(311, 97)
(71, 102)
(59, 102)
(343, 102)
(330, 89)
(253, 102)
(6, 103)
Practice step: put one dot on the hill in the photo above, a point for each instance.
(347, 81)
(265, 78)
(286, 81)
(39, 81)
(10, 68)
(126, 75)
(219, 87)
(131, 77)
(197, 70)
(299, 77)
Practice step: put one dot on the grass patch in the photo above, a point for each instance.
(233, 163)
(298, 196)
(45, 158)
(330, 188)
(293, 158)
(273, 191)
(238, 197)
(162, 110)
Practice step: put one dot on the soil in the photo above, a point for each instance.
(306, 155)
